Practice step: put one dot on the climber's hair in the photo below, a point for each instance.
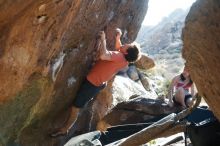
(133, 53)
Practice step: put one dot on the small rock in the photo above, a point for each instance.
(132, 73)
(42, 8)
(42, 19)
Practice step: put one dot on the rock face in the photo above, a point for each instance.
(46, 50)
(202, 50)
(137, 110)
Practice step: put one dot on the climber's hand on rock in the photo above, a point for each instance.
(118, 32)
(102, 35)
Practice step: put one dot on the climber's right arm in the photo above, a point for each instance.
(104, 53)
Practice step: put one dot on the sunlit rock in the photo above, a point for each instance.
(46, 51)
(202, 50)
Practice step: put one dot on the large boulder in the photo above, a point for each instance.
(124, 88)
(137, 110)
(145, 62)
(202, 50)
(46, 49)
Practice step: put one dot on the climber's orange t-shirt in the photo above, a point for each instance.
(104, 70)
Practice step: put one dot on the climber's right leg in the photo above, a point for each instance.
(86, 92)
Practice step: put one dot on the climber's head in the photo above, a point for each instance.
(132, 53)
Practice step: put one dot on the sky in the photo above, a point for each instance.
(157, 9)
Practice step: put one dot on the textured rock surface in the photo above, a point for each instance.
(137, 110)
(124, 88)
(202, 50)
(46, 49)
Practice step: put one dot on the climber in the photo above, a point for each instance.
(109, 63)
(181, 89)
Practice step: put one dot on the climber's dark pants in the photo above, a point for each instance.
(86, 92)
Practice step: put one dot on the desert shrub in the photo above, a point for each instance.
(162, 74)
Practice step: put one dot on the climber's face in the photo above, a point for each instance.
(185, 72)
(125, 47)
